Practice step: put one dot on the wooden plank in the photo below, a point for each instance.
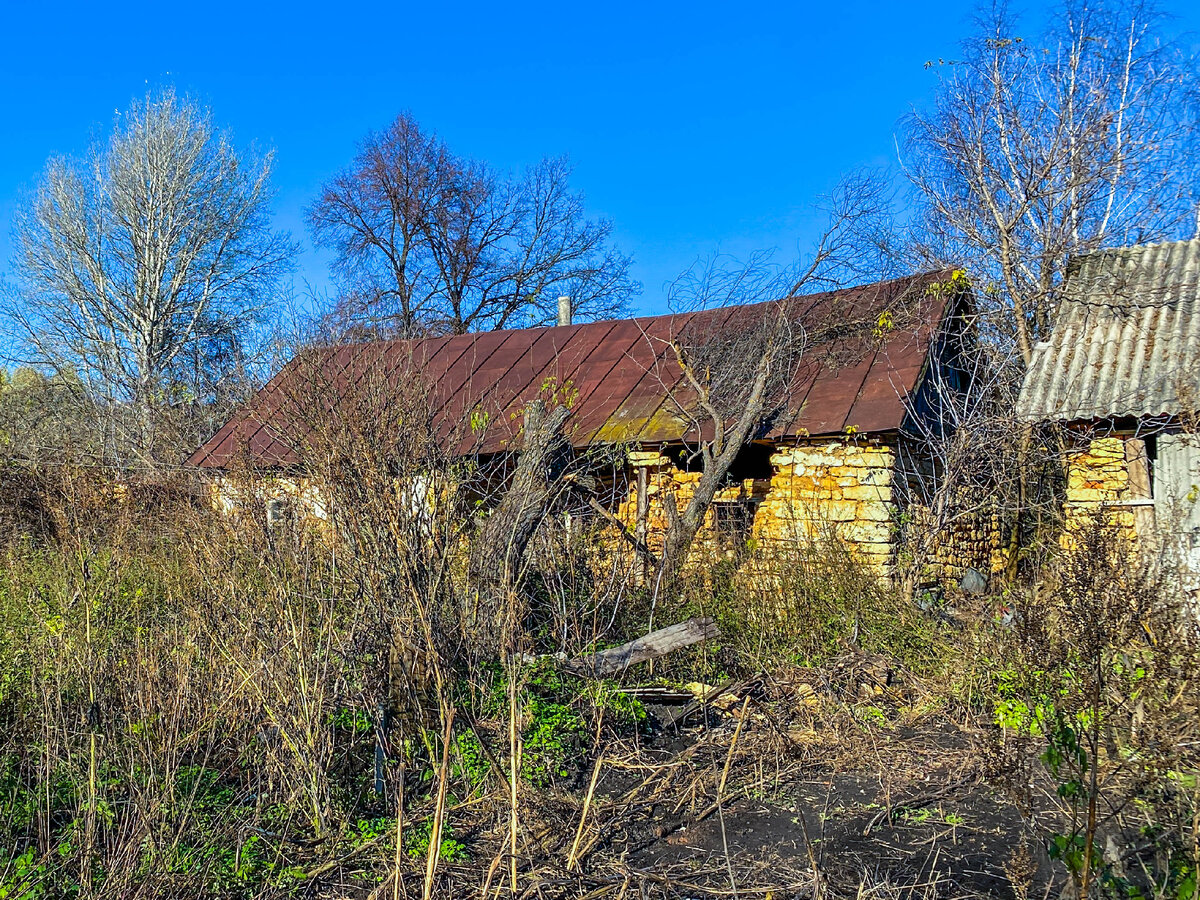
(1138, 463)
(607, 663)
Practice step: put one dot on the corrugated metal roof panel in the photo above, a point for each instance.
(622, 377)
(1126, 338)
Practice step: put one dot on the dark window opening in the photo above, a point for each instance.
(753, 461)
(1140, 455)
(732, 520)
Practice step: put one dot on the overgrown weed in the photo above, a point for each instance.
(195, 707)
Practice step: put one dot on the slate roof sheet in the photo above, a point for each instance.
(1125, 340)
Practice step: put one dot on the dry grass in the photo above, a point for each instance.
(193, 707)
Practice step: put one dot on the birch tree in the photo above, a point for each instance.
(146, 265)
(1040, 148)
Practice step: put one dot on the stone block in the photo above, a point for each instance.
(840, 512)
(865, 532)
(877, 475)
(1089, 495)
(873, 511)
(647, 458)
(882, 493)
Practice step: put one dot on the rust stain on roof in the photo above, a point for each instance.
(621, 379)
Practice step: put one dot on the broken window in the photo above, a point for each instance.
(752, 462)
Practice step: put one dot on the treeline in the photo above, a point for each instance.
(149, 270)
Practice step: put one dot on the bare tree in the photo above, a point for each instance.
(426, 241)
(737, 369)
(145, 266)
(1038, 150)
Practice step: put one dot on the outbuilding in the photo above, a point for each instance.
(1120, 374)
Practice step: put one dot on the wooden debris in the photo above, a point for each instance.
(714, 697)
(607, 663)
(657, 693)
(722, 700)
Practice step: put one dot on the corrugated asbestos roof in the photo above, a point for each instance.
(625, 383)
(1126, 338)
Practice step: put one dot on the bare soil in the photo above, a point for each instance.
(907, 807)
(781, 790)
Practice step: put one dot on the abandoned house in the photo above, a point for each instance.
(875, 368)
(1120, 373)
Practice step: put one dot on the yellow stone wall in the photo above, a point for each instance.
(817, 489)
(840, 488)
(1098, 475)
(970, 539)
(663, 477)
(228, 495)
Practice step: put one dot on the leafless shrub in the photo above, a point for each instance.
(1104, 672)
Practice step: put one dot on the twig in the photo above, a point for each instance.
(514, 765)
(692, 887)
(439, 809)
(398, 883)
(720, 795)
(638, 545)
(491, 873)
(587, 802)
(728, 759)
(912, 803)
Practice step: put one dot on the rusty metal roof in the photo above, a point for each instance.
(1125, 340)
(622, 379)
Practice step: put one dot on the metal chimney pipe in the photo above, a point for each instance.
(564, 310)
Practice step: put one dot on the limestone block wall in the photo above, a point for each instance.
(840, 488)
(972, 542)
(1097, 472)
(301, 494)
(970, 538)
(1098, 476)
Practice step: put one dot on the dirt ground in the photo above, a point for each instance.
(911, 810)
(779, 788)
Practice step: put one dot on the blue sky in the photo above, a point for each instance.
(696, 127)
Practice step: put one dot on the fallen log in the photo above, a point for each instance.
(616, 660)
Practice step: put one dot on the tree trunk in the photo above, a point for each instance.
(498, 552)
(682, 528)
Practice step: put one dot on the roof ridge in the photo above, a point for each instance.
(620, 385)
(914, 278)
